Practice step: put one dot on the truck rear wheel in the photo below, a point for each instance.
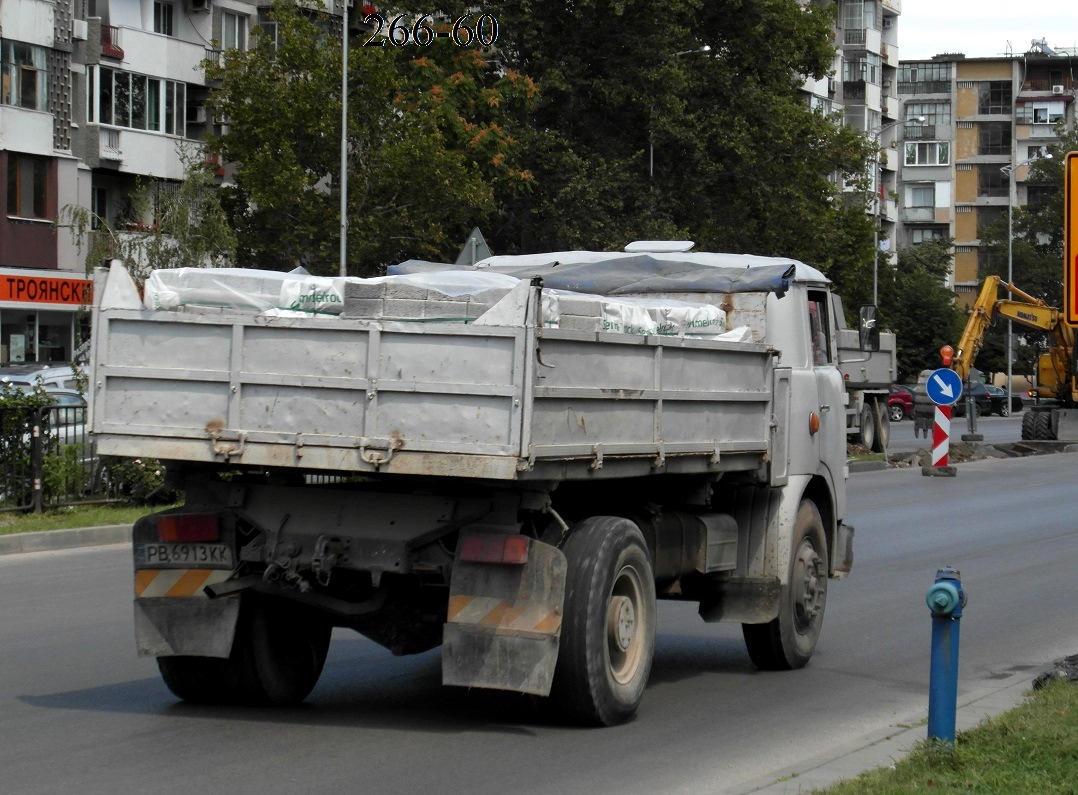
(875, 427)
(277, 656)
(608, 631)
(789, 640)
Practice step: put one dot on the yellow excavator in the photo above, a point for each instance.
(1055, 369)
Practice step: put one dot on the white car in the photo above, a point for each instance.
(61, 376)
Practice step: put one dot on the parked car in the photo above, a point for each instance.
(900, 402)
(990, 400)
(1000, 404)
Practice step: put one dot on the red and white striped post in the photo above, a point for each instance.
(941, 430)
(941, 425)
(941, 436)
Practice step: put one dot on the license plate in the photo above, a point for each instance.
(212, 556)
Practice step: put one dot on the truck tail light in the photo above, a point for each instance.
(490, 548)
(188, 527)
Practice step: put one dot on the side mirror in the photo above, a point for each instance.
(869, 330)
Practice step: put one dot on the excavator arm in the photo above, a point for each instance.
(980, 318)
(1055, 369)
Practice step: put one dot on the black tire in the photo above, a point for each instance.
(789, 640)
(608, 631)
(1042, 426)
(868, 427)
(198, 680)
(882, 425)
(1004, 409)
(896, 412)
(277, 656)
(1027, 425)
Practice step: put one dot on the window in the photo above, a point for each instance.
(233, 32)
(27, 186)
(859, 14)
(25, 75)
(1041, 194)
(921, 195)
(865, 67)
(162, 18)
(928, 153)
(992, 182)
(994, 138)
(994, 97)
(124, 99)
(922, 234)
(989, 216)
(924, 78)
(1040, 112)
(817, 313)
(934, 112)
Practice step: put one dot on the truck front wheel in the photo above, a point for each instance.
(788, 641)
(277, 656)
(608, 630)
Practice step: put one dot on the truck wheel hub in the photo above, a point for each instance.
(621, 622)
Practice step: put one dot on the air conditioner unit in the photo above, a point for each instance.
(198, 5)
(1057, 89)
(831, 86)
(888, 22)
(196, 114)
(79, 29)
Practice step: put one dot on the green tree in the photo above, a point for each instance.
(916, 304)
(428, 134)
(167, 225)
(639, 132)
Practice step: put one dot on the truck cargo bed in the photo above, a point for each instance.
(438, 399)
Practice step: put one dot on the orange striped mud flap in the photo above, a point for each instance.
(174, 617)
(504, 623)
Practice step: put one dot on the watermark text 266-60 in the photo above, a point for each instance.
(422, 33)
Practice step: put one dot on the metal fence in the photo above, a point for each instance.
(47, 459)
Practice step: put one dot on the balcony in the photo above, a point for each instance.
(1048, 86)
(919, 132)
(162, 56)
(110, 146)
(110, 42)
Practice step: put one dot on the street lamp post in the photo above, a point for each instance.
(1012, 198)
(877, 183)
(344, 142)
(651, 126)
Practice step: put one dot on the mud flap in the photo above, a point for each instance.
(191, 626)
(504, 623)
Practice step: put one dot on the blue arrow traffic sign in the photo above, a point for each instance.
(944, 386)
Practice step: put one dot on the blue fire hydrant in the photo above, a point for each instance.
(945, 599)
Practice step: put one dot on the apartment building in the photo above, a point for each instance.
(985, 119)
(865, 89)
(99, 99)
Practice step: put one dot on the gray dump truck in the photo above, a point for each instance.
(513, 461)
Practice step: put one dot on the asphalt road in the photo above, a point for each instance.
(80, 712)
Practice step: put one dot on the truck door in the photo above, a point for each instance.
(830, 390)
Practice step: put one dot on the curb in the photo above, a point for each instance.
(885, 747)
(47, 540)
